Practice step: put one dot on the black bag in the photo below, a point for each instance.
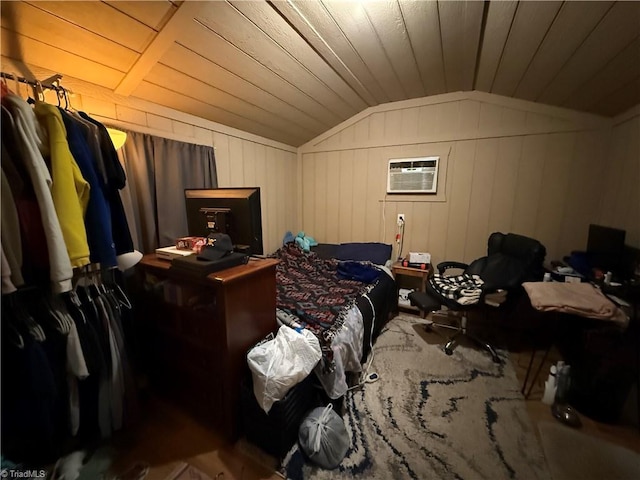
(324, 438)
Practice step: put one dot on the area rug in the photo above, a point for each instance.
(432, 416)
(571, 454)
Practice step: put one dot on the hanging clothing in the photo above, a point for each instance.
(70, 191)
(28, 401)
(116, 180)
(91, 134)
(64, 361)
(7, 284)
(10, 232)
(29, 134)
(93, 412)
(76, 370)
(97, 389)
(28, 237)
(98, 216)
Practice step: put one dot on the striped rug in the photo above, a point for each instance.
(432, 416)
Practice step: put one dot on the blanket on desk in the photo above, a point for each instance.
(581, 299)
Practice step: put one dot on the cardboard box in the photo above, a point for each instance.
(194, 244)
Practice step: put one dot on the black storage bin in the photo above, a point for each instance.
(277, 431)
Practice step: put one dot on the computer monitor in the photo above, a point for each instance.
(605, 248)
(234, 211)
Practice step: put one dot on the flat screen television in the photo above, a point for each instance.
(234, 211)
(605, 247)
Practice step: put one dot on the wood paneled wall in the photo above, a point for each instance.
(620, 191)
(508, 165)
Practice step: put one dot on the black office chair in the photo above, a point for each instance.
(511, 260)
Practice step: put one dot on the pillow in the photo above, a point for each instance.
(374, 252)
(326, 251)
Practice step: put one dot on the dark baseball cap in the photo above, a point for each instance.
(218, 245)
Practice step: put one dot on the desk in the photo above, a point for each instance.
(584, 313)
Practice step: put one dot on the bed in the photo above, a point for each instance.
(343, 294)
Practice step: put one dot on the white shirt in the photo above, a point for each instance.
(30, 138)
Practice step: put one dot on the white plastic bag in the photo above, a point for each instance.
(279, 364)
(323, 437)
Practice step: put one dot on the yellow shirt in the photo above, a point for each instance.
(70, 191)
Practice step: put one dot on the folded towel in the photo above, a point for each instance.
(581, 299)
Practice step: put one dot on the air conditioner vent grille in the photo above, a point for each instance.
(412, 175)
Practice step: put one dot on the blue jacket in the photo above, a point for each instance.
(98, 216)
(116, 180)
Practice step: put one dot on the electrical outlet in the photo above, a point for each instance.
(400, 219)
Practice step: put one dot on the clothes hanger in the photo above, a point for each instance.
(44, 311)
(81, 288)
(115, 287)
(23, 316)
(63, 321)
(37, 90)
(67, 103)
(9, 320)
(73, 296)
(15, 336)
(122, 297)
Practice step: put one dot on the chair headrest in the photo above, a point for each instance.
(527, 249)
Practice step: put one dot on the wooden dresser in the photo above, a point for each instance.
(196, 333)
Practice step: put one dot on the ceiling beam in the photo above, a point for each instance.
(163, 40)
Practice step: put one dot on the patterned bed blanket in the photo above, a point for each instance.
(311, 289)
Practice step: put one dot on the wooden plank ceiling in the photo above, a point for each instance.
(290, 70)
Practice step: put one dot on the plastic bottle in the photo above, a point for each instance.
(562, 390)
(550, 387)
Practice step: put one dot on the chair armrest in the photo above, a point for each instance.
(444, 266)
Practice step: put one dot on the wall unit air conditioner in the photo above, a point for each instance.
(412, 175)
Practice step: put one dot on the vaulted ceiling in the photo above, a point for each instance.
(290, 70)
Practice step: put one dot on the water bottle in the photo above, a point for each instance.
(550, 387)
(564, 381)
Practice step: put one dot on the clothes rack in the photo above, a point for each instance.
(67, 380)
(51, 83)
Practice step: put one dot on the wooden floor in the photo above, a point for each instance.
(627, 436)
(167, 436)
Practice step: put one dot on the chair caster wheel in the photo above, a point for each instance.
(448, 351)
